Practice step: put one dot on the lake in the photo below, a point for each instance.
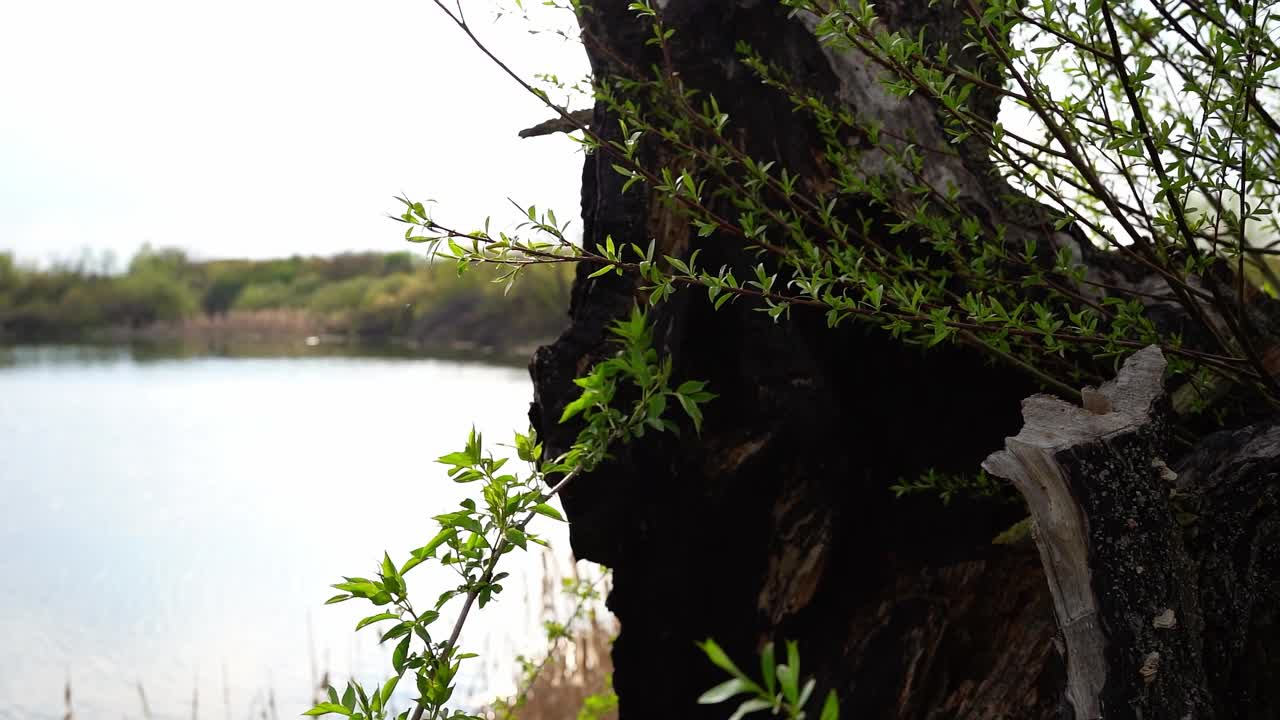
(169, 526)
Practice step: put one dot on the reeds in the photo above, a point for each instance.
(66, 697)
(142, 697)
(575, 673)
(261, 707)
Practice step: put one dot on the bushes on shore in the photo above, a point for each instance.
(374, 296)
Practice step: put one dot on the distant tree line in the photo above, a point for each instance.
(367, 295)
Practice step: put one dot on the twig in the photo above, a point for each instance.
(577, 119)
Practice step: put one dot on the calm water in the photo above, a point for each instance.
(175, 523)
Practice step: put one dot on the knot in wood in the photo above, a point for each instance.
(1150, 666)
(1166, 620)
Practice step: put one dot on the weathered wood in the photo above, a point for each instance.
(1095, 481)
(1164, 580)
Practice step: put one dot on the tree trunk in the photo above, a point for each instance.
(777, 522)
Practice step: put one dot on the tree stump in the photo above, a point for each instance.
(1128, 581)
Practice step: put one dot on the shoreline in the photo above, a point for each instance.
(396, 300)
(150, 345)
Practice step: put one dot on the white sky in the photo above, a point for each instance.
(260, 128)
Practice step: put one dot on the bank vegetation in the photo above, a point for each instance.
(367, 297)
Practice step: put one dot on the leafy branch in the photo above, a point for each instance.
(1024, 300)
(472, 540)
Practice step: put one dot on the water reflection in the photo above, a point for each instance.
(163, 517)
(35, 356)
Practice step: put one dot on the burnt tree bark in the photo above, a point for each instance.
(777, 522)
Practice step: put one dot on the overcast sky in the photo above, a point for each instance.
(258, 128)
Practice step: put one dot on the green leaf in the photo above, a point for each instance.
(793, 658)
(691, 409)
(460, 519)
(328, 707)
(388, 567)
(689, 387)
(527, 448)
(767, 669)
(719, 659)
(376, 618)
(787, 682)
(390, 687)
(575, 407)
(457, 459)
(602, 271)
(399, 630)
(657, 406)
(806, 691)
(359, 587)
(466, 476)
(549, 511)
(830, 708)
(411, 563)
(723, 691)
(516, 537)
(749, 706)
(425, 551)
(401, 654)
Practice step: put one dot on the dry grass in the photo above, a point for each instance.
(261, 707)
(573, 679)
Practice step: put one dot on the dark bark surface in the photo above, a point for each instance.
(1228, 490)
(777, 522)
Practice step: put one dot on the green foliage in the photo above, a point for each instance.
(1170, 163)
(369, 295)
(223, 293)
(8, 272)
(949, 486)
(341, 295)
(148, 296)
(495, 520)
(1016, 534)
(781, 689)
(639, 365)
(164, 262)
(263, 296)
(598, 705)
